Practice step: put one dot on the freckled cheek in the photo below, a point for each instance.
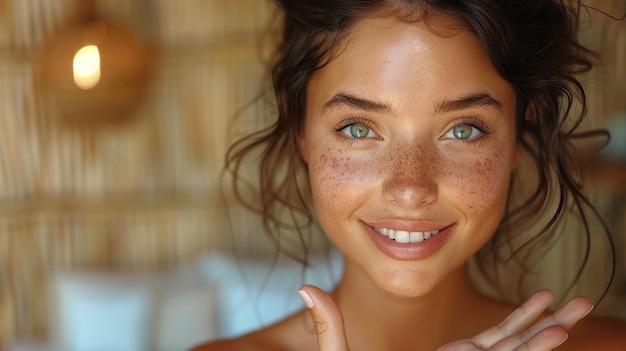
(482, 184)
(336, 177)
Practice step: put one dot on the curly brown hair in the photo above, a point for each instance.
(533, 45)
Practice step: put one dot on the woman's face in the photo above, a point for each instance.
(410, 142)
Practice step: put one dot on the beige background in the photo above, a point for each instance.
(145, 194)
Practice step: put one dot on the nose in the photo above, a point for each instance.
(410, 180)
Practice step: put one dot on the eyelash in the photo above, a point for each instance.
(351, 120)
(347, 122)
(475, 122)
(472, 121)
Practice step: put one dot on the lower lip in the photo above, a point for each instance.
(409, 251)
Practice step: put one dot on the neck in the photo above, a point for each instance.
(377, 320)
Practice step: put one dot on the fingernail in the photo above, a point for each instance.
(564, 340)
(308, 301)
(591, 309)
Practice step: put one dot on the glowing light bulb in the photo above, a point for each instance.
(87, 67)
(93, 72)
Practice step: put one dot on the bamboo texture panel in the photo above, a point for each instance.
(139, 196)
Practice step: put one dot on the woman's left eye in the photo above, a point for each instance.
(464, 131)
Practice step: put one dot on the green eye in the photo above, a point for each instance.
(359, 130)
(463, 131)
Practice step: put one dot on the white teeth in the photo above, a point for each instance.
(405, 237)
(416, 237)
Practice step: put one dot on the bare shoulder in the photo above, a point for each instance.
(286, 335)
(245, 343)
(221, 345)
(598, 333)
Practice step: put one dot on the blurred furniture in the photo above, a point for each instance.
(219, 296)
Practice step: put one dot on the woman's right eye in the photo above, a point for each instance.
(357, 130)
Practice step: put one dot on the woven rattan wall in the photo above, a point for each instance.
(143, 194)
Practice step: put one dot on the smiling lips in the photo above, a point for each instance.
(403, 244)
(406, 237)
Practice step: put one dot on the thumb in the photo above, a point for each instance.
(328, 320)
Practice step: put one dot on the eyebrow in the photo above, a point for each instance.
(350, 101)
(466, 102)
(469, 102)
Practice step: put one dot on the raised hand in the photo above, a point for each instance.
(523, 330)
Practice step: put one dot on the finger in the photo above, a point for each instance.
(545, 340)
(328, 320)
(517, 321)
(460, 345)
(550, 331)
(548, 339)
(566, 317)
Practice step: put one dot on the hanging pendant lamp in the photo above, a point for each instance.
(93, 71)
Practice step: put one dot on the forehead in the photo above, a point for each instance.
(389, 57)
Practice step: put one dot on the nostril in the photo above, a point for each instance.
(410, 191)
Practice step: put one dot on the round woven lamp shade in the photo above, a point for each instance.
(94, 72)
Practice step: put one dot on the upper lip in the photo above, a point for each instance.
(408, 225)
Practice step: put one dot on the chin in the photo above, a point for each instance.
(408, 284)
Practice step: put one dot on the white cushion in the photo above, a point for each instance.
(102, 312)
(94, 311)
